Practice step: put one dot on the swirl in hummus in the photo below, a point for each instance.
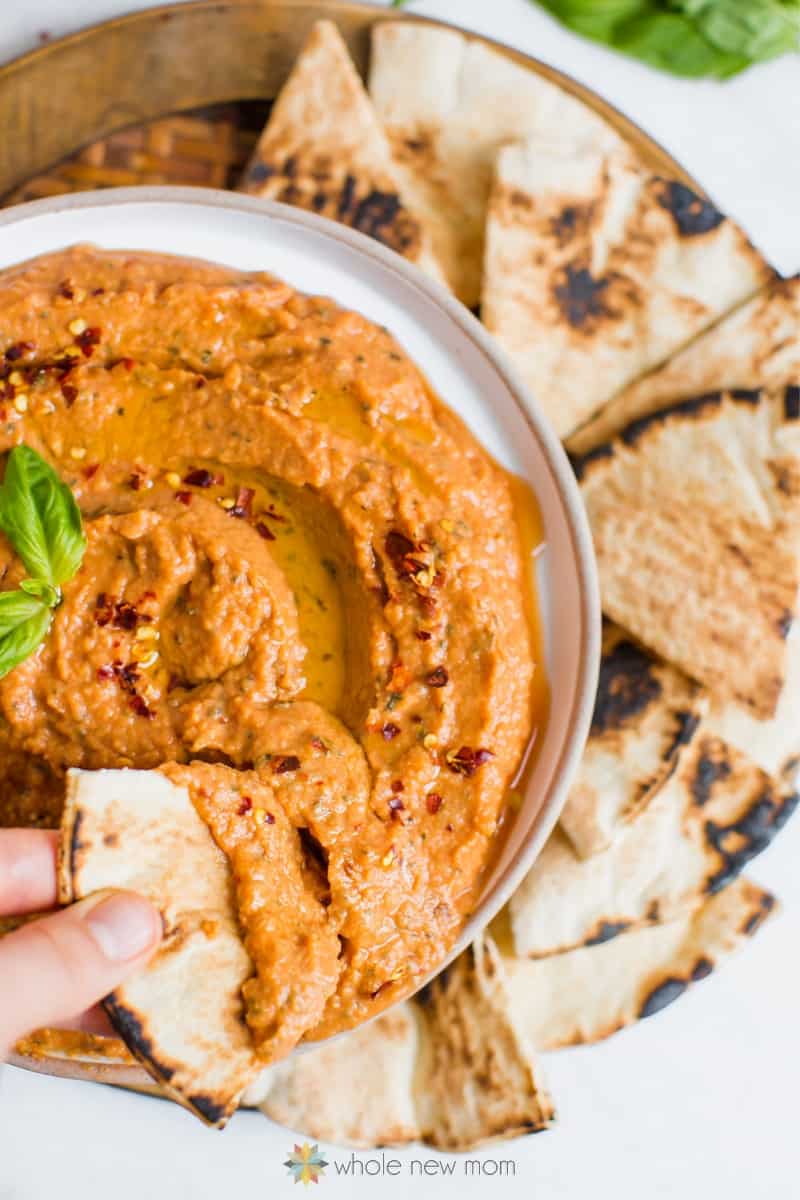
(301, 571)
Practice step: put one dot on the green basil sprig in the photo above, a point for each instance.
(692, 38)
(39, 516)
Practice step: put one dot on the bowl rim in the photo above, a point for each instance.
(555, 458)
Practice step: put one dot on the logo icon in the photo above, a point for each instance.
(306, 1164)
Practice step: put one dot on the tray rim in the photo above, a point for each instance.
(633, 133)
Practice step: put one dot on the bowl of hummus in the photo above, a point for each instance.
(333, 552)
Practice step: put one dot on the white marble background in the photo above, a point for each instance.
(701, 1101)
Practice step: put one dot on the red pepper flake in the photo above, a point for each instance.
(466, 760)
(245, 806)
(98, 291)
(121, 614)
(128, 363)
(390, 731)
(422, 635)
(184, 497)
(105, 672)
(396, 805)
(318, 744)
(398, 548)
(66, 289)
(273, 515)
(199, 383)
(427, 604)
(433, 802)
(127, 676)
(285, 763)
(198, 477)
(269, 818)
(90, 471)
(136, 481)
(19, 350)
(69, 392)
(244, 503)
(141, 708)
(437, 678)
(264, 532)
(88, 340)
(398, 785)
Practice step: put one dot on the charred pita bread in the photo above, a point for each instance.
(449, 1068)
(182, 1016)
(588, 994)
(757, 346)
(477, 1079)
(716, 812)
(596, 270)
(448, 103)
(694, 511)
(323, 149)
(645, 715)
(355, 1090)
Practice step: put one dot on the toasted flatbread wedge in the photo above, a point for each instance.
(355, 1090)
(596, 270)
(645, 715)
(588, 994)
(182, 1016)
(715, 813)
(757, 346)
(477, 1079)
(695, 515)
(448, 103)
(323, 149)
(450, 1068)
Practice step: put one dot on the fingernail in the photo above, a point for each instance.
(124, 926)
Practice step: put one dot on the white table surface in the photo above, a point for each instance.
(699, 1102)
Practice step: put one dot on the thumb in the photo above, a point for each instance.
(56, 967)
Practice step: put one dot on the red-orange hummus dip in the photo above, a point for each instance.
(300, 566)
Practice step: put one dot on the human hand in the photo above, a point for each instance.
(56, 967)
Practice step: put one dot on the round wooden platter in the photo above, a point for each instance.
(89, 110)
(178, 95)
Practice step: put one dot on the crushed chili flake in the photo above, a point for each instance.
(245, 806)
(98, 291)
(398, 785)
(422, 635)
(433, 802)
(427, 604)
(199, 383)
(273, 515)
(105, 672)
(120, 614)
(244, 502)
(390, 731)
(128, 363)
(140, 707)
(318, 744)
(19, 350)
(398, 548)
(69, 392)
(437, 678)
(396, 805)
(184, 498)
(88, 339)
(90, 471)
(136, 481)
(66, 289)
(285, 763)
(198, 477)
(466, 760)
(264, 532)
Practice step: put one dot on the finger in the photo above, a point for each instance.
(94, 1020)
(66, 962)
(27, 870)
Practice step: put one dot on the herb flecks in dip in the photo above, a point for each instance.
(299, 565)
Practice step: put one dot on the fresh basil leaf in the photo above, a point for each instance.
(671, 42)
(15, 609)
(598, 19)
(759, 29)
(44, 591)
(19, 639)
(39, 516)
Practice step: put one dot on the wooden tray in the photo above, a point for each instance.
(178, 95)
(88, 111)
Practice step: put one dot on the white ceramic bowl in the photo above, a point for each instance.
(465, 367)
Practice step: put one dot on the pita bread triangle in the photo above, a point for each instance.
(715, 813)
(597, 270)
(695, 513)
(448, 103)
(588, 994)
(645, 715)
(323, 149)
